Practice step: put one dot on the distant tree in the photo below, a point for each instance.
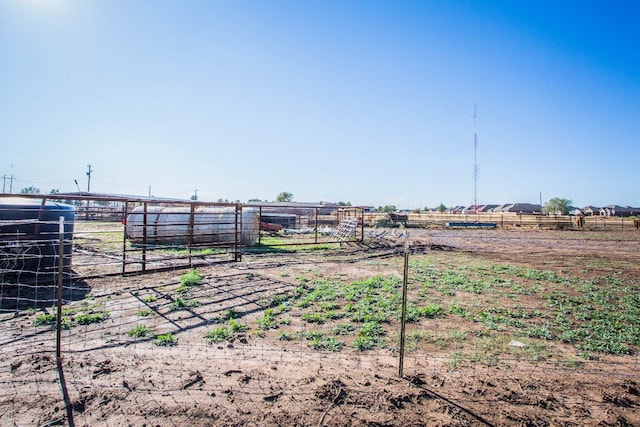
(416, 210)
(557, 206)
(194, 197)
(344, 203)
(442, 208)
(254, 201)
(387, 208)
(30, 190)
(55, 191)
(285, 196)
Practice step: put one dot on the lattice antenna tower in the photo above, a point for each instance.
(475, 157)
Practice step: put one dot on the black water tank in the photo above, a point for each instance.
(29, 234)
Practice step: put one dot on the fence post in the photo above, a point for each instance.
(144, 237)
(315, 240)
(403, 318)
(259, 225)
(124, 236)
(192, 223)
(60, 282)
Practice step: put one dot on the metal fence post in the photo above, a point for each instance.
(60, 282)
(192, 225)
(144, 238)
(403, 318)
(124, 237)
(315, 240)
(260, 225)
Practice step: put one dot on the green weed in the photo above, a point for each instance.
(165, 340)
(139, 331)
(219, 334)
(191, 278)
(88, 318)
(183, 304)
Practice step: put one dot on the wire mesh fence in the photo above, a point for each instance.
(308, 332)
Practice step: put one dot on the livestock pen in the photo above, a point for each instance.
(510, 326)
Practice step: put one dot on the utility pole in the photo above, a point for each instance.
(6, 178)
(88, 189)
(89, 178)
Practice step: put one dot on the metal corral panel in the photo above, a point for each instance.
(171, 225)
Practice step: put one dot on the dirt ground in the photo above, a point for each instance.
(107, 378)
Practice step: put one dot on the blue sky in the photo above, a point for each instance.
(369, 102)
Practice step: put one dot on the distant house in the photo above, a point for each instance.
(621, 211)
(501, 208)
(630, 211)
(487, 208)
(523, 208)
(591, 211)
(572, 210)
(478, 209)
(471, 209)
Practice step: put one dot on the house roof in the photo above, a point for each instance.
(519, 207)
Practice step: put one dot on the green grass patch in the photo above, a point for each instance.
(599, 314)
(184, 304)
(89, 318)
(219, 334)
(327, 343)
(188, 280)
(165, 340)
(343, 329)
(140, 331)
(267, 321)
(224, 332)
(369, 336)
